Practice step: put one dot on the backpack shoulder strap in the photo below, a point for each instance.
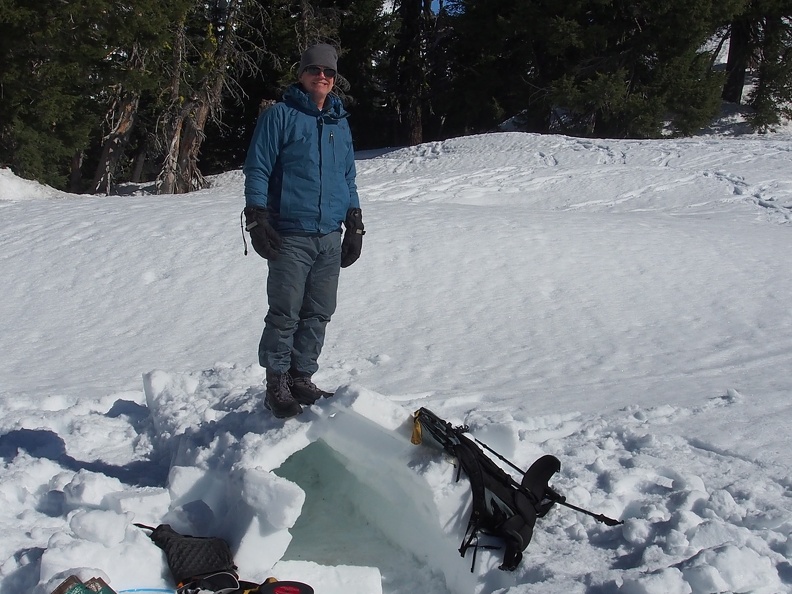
(466, 454)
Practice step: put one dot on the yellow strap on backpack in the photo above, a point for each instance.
(417, 432)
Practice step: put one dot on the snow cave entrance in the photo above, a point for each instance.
(345, 522)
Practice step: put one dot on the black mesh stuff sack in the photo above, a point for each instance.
(190, 557)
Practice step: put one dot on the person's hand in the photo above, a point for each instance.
(352, 243)
(266, 241)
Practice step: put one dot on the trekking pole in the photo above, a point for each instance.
(561, 500)
(550, 493)
(498, 456)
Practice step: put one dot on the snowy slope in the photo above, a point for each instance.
(622, 305)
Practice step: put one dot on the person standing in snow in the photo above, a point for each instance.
(299, 190)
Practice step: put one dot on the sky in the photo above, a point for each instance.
(620, 304)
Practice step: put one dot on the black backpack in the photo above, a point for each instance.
(502, 507)
(191, 558)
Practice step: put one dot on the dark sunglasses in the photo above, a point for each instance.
(316, 71)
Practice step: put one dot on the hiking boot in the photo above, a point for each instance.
(304, 390)
(279, 399)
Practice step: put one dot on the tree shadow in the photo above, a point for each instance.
(43, 443)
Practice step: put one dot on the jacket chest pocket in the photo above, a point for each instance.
(337, 147)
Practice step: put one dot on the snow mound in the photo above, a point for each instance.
(14, 188)
(341, 499)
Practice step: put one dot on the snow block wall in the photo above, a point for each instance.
(413, 497)
(353, 454)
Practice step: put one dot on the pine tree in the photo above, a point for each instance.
(137, 35)
(365, 36)
(207, 54)
(653, 56)
(761, 36)
(409, 65)
(487, 56)
(606, 68)
(772, 97)
(50, 60)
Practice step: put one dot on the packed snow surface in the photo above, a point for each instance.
(622, 305)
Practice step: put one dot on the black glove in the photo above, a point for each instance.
(353, 237)
(266, 241)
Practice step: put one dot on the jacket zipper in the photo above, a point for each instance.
(321, 159)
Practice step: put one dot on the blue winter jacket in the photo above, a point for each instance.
(301, 165)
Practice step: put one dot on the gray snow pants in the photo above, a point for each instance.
(302, 284)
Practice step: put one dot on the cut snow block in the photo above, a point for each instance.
(188, 483)
(89, 489)
(372, 406)
(338, 579)
(411, 495)
(104, 527)
(272, 498)
(267, 451)
(260, 547)
(172, 403)
(145, 505)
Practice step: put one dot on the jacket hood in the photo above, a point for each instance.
(298, 98)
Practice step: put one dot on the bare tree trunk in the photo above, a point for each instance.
(124, 117)
(172, 124)
(167, 180)
(180, 172)
(192, 136)
(75, 179)
(138, 162)
(414, 122)
(737, 61)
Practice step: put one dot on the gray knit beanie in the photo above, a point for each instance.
(320, 54)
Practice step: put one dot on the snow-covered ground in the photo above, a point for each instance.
(622, 305)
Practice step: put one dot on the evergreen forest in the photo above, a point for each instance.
(95, 93)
